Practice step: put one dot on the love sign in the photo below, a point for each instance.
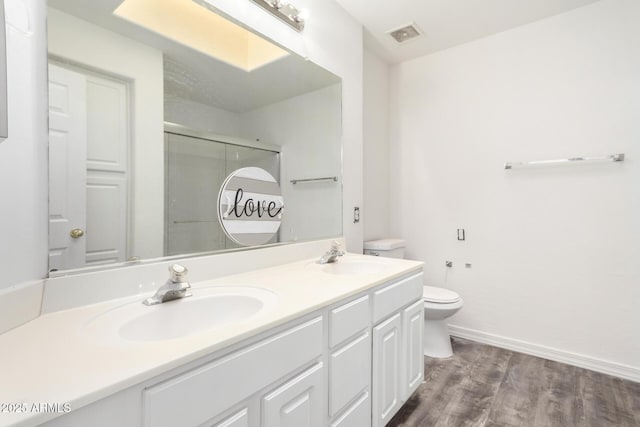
(250, 206)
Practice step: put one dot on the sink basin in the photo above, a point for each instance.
(209, 308)
(347, 266)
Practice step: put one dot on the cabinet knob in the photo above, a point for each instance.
(76, 233)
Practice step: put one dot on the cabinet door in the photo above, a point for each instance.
(387, 351)
(297, 403)
(413, 359)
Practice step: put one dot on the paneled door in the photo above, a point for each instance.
(297, 403)
(412, 325)
(107, 169)
(88, 168)
(67, 168)
(387, 353)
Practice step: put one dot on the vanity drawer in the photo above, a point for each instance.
(205, 392)
(392, 298)
(358, 414)
(348, 319)
(350, 372)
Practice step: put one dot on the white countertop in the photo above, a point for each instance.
(53, 359)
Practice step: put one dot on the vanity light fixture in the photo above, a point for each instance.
(285, 12)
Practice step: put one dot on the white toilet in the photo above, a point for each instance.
(390, 248)
(439, 304)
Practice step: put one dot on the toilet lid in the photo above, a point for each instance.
(441, 295)
(384, 244)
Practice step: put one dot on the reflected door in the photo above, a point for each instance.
(67, 170)
(88, 168)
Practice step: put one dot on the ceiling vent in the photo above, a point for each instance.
(405, 33)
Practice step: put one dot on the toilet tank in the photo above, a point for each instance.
(390, 248)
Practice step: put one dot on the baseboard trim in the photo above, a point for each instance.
(610, 368)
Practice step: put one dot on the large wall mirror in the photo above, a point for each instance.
(151, 105)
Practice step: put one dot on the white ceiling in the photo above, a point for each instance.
(445, 23)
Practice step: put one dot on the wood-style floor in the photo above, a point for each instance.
(488, 386)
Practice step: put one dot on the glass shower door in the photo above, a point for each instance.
(195, 170)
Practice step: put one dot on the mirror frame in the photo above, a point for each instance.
(4, 118)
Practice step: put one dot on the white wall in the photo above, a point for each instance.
(96, 48)
(376, 210)
(310, 148)
(333, 40)
(23, 156)
(554, 250)
(201, 117)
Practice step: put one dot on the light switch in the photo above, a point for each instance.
(461, 234)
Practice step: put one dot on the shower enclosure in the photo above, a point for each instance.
(196, 165)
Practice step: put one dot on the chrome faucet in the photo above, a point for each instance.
(332, 254)
(175, 288)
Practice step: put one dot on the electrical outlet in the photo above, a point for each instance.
(356, 214)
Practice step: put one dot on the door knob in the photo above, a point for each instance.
(76, 232)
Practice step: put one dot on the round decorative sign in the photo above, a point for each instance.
(250, 206)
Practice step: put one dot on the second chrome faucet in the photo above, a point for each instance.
(332, 254)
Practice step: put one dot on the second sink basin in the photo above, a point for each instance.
(209, 308)
(353, 266)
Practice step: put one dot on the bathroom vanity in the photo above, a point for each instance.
(337, 345)
(334, 345)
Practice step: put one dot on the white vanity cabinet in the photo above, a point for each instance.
(375, 369)
(398, 366)
(351, 364)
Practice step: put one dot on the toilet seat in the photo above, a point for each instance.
(439, 295)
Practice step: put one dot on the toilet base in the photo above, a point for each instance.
(437, 342)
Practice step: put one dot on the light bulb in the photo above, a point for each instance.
(302, 15)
